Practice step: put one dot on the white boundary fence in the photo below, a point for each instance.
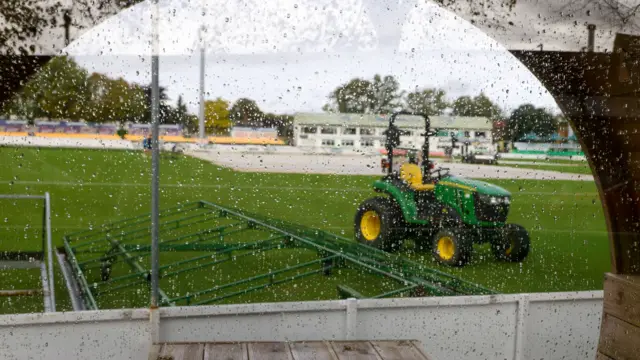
(269, 149)
(46, 263)
(523, 326)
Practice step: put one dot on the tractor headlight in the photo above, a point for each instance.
(494, 200)
(492, 208)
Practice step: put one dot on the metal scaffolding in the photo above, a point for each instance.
(201, 237)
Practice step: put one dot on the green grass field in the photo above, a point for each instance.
(549, 161)
(21, 279)
(90, 187)
(578, 168)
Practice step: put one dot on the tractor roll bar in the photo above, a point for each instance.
(393, 140)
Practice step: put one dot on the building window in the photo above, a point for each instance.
(328, 142)
(467, 134)
(443, 133)
(408, 133)
(328, 130)
(367, 143)
(347, 142)
(309, 130)
(349, 131)
(367, 131)
(481, 134)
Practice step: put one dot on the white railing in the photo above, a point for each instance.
(45, 262)
(523, 326)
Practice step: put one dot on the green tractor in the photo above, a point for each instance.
(442, 212)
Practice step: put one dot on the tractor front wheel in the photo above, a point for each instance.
(452, 247)
(378, 224)
(513, 244)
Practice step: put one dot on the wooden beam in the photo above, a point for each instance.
(619, 340)
(622, 297)
(620, 329)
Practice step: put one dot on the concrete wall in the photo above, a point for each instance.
(526, 326)
(114, 334)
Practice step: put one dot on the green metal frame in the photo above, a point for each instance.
(127, 242)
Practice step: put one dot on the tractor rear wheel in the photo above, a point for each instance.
(379, 223)
(452, 247)
(513, 244)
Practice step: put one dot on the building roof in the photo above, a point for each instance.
(403, 121)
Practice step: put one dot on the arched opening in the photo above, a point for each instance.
(600, 97)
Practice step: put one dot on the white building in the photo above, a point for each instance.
(366, 132)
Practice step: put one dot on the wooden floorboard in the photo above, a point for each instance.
(269, 351)
(226, 352)
(355, 350)
(181, 352)
(302, 350)
(314, 350)
(397, 350)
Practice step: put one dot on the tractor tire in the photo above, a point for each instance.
(379, 223)
(452, 247)
(513, 244)
(400, 228)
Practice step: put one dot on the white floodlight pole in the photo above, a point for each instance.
(202, 65)
(155, 155)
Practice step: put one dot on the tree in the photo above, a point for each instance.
(284, 124)
(58, 91)
(163, 109)
(529, 119)
(463, 106)
(182, 117)
(487, 108)
(480, 105)
(98, 85)
(352, 97)
(181, 111)
(387, 95)
(360, 96)
(23, 107)
(216, 116)
(245, 112)
(428, 102)
(115, 101)
(23, 21)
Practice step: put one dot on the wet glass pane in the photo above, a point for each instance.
(315, 150)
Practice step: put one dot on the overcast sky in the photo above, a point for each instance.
(289, 54)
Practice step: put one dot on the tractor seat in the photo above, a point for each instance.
(412, 175)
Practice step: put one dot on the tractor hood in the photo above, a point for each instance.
(474, 185)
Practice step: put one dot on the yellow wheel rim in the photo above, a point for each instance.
(370, 225)
(510, 248)
(446, 247)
